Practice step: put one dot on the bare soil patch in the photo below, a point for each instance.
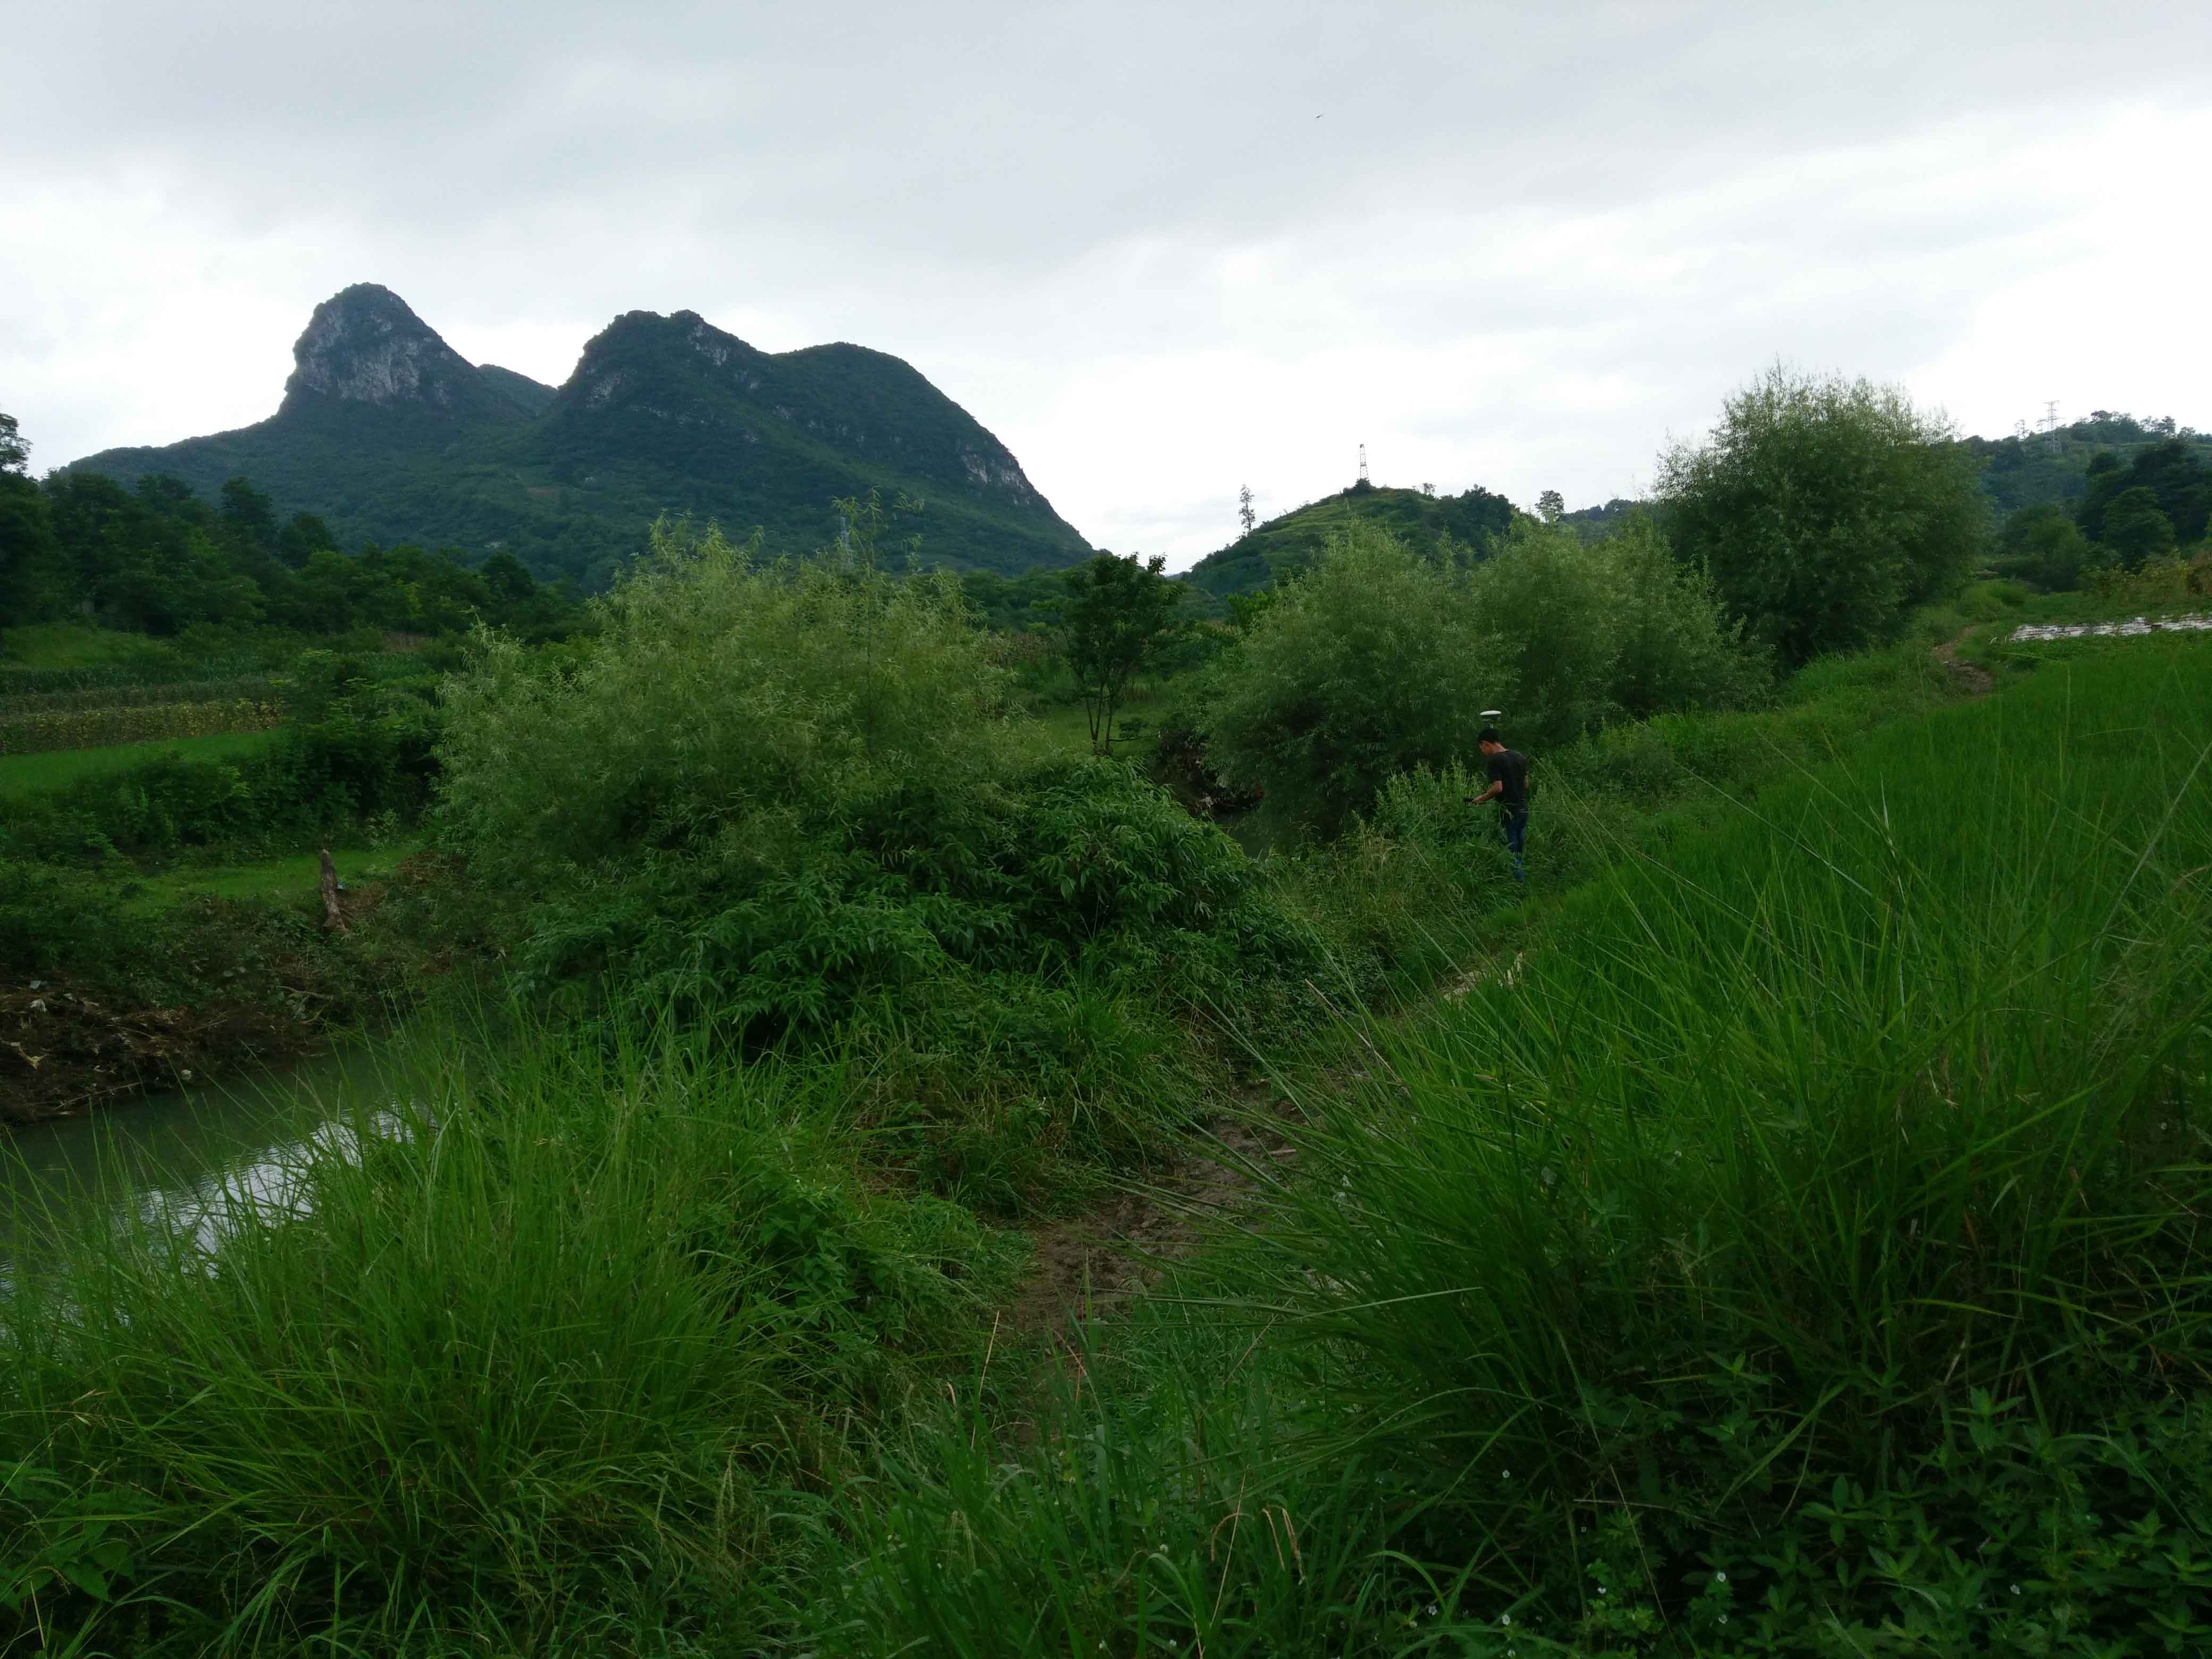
(1976, 681)
(1091, 1266)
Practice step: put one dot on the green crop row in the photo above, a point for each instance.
(258, 688)
(98, 728)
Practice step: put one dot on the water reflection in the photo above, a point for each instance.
(202, 1161)
(268, 1187)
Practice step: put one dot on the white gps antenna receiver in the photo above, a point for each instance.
(1494, 713)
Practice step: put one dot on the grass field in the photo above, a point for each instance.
(297, 876)
(1784, 1240)
(65, 645)
(31, 774)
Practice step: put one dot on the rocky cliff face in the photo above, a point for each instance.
(365, 345)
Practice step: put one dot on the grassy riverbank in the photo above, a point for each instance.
(1776, 1237)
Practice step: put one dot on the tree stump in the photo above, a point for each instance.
(333, 914)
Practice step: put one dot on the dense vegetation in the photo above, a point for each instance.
(1775, 1232)
(1379, 660)
(158, 560)
(2028, 469)
(663, 415)
(2136, 509)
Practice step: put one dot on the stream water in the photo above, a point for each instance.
(183, 1151)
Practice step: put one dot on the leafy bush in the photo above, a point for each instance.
(782, 803)
(2042, 543)
(1825, 510)
(1379, 660)
(1592, 632)
(311, 780)
(1375, 661)
(52, 917)
(2157, 582)
(725, 700)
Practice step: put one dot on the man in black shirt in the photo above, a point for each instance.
(1509, 787)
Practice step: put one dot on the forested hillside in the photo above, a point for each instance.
(2028, 468)
(389, 435)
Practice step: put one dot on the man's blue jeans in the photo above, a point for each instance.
(1516, 822)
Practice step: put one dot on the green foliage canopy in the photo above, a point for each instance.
(1375, 661)
(2154, 501)
(1379, 660)
(2043, 543)
(158, 559)
(1592, 632)
(727, 698)
(2135, 528)
(1825, 510)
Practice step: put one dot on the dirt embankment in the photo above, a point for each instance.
(267, 995)
(64, 1052)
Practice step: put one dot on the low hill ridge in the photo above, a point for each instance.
(1286, 544)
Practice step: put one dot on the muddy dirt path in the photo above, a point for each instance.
(1977, 682)
(1090, 1267)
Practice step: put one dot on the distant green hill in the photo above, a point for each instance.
(390, 435)
(1287, 544)
(2031, 467)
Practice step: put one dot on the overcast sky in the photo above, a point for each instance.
(1161, 250)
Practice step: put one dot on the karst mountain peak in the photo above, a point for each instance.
(391, 434)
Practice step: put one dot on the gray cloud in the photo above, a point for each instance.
(1518, 247)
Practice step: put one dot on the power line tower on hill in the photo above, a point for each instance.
(1363, 463)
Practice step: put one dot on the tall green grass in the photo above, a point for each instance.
(1789, 1243)
(538, 1354)
(1798, 1247)
(1878, 1110)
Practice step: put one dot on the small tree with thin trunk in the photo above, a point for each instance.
(1119, 614)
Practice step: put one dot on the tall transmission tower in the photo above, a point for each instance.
(1363, 463)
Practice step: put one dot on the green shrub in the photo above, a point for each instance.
(1825, 510)
(783, 804)
(54, 919)
(1378, 660)
(1590, 633)
(1375, 661)
(310, 781)
(724, 700)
